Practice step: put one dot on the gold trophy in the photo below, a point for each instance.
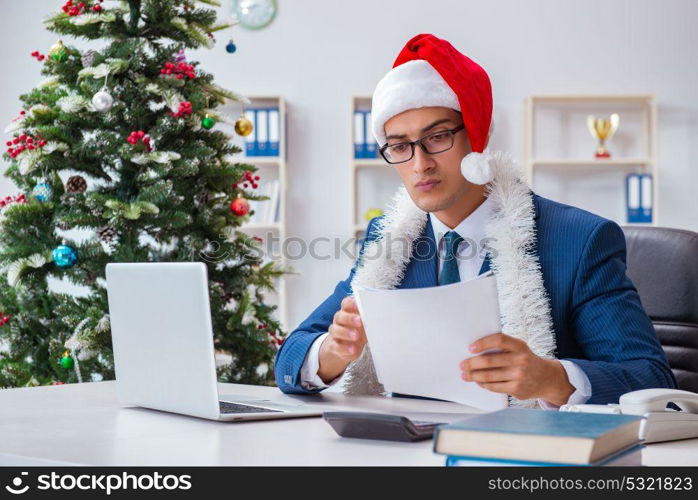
(602, 129)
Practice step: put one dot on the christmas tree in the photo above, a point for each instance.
(116, 146)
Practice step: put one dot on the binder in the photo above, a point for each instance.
(274, 132)
(633, 198)
(275, 201)
(358, 134)
(251, 140)
(371, 146)
(262, 132)
(646, 198)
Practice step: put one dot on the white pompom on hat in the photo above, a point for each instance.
(430, 72)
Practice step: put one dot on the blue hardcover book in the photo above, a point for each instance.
(533, 435)
(632, 198)
(628, 457)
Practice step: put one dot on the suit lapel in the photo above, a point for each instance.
(485, 264)
(422, 269)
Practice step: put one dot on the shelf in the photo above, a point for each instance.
(370, 163)
(270, 167)
(592, 161)
(639, 224)
(592, 97)
(257, 226)
(273, 160)
(637, 148)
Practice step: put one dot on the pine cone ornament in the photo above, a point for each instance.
(106, 234)
(204, 198)
(76, 184)
(88, 58)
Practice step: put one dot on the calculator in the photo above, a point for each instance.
(385, 426)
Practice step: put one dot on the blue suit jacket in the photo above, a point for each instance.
(597, 316)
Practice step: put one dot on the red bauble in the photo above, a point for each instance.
(240, 206)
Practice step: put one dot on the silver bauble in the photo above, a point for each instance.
(102, 101)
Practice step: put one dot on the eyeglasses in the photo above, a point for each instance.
(432, 144)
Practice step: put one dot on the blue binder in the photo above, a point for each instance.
(359, 134)
(251, 140)
(274, 131)
(639, 198)
(632, 197)
(646, 198)
(262, 132)
(371, 145)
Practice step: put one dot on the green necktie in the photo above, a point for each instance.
(449, 270)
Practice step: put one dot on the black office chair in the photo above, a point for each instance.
(663, 264)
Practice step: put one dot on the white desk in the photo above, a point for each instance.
(83, 424)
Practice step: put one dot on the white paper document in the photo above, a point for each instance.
(419, 336)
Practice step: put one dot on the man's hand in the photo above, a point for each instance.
(516, 370)
(344, 343)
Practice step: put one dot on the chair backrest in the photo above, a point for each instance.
(663, 265)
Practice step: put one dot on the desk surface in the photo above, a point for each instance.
(84, 424)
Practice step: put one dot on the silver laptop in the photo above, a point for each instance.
(163, 344)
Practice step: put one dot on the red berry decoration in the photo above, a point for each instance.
(184, 109)
(250, 179)
(76, 8)
(4, 319)
(139, 136)
(8, 200)
(23, 142)
(240, 206)
(39, 57)
(179, 70)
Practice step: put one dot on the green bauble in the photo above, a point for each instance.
(58, 52)
(208, 122)
(67, 362)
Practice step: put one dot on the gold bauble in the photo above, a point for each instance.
(243, 126)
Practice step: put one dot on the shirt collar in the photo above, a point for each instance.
(473, 226)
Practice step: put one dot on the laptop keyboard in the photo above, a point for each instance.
(227, 407)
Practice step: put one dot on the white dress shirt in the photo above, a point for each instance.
(470, 256)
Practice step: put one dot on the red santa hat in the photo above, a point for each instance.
(430, 72)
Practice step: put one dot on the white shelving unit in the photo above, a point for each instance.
(373, 181)
(268, 168)
(556, 139)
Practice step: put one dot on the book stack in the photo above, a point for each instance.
(528, 437)
(267, 211)
(365, 145)
(264, 139)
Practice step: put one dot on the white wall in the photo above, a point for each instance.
(318, 53)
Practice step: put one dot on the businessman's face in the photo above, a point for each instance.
(434, 181)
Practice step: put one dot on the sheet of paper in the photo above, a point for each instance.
(419, 336)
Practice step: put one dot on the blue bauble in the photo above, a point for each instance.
(43, 191)
(64, 256)
(231, 47)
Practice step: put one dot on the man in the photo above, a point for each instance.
(573, 327)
